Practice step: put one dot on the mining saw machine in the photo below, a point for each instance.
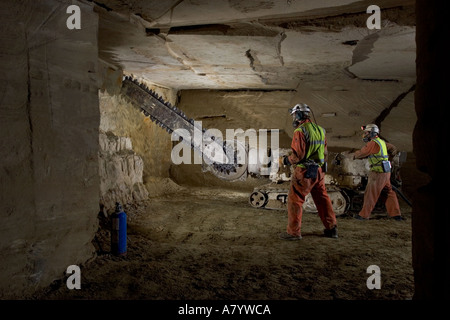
(232, 160)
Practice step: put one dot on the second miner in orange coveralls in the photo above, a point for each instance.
(377, 150)
(308, 156)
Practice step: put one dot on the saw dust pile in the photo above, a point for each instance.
(211, 244)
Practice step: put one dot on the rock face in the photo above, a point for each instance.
(134, 152)
(49, 122)
(121, 172)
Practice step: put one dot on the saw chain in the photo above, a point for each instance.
(215, 152)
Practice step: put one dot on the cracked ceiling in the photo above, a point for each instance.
(321, 51)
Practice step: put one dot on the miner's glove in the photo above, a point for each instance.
(285, 161)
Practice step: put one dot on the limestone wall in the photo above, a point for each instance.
(49, 120)
(135, 152)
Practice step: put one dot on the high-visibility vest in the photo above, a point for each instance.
(376, 159)
(315, 138)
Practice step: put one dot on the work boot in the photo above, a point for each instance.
(358, 217)
(287, 236)
(330, 233)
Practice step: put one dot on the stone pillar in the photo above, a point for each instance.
(431, 211)
(49, 120)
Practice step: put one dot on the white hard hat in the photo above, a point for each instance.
(303, 107)
(371, 128)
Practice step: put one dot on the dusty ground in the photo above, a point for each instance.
(211, 244)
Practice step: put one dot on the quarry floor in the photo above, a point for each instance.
(210, 244)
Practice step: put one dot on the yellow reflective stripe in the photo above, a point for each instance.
(376, 159)
(315, 151)
(381, 153)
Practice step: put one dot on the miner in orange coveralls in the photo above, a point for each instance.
(377, 151)
(309, 149)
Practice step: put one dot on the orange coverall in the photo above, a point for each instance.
(377, 182)
(300, 187)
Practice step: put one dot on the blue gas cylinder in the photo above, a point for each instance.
(119, 231)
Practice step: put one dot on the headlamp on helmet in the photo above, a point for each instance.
(371, 130)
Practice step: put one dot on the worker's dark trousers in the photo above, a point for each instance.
(377, 182)
(300, 188)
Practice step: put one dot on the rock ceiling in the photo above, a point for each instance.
(320, 50)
